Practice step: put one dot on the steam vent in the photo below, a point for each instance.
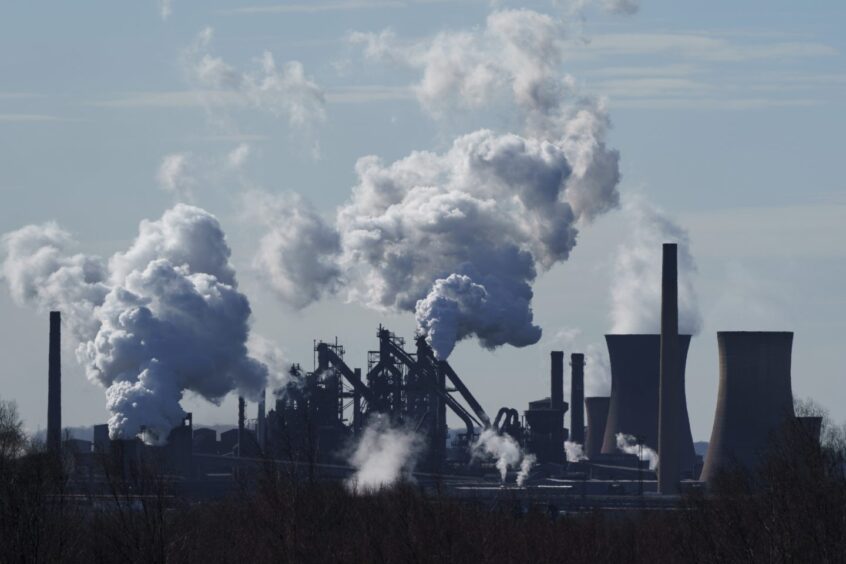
(754, 401)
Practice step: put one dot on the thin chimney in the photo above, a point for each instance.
(556, 398)
(670, 376)
(54, 384)
(577, 398)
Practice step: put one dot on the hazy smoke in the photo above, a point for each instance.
(525, 468)
(628, 444)
(574, 452)
(505, 450)
(297, 256)
(383, 455)
(163, 318)
(636, 291)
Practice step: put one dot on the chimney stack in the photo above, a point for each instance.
(54, 384)
(241, 433)
(577, 398)
(556, 397)
(669, 471)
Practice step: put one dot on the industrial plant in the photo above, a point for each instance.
(637, 441)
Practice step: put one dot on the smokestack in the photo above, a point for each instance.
(754, 401)
(241, 434)
(556, 393)
(54, 384)
(577, 398)
(597, 414)
(633, 408)
(669, 473)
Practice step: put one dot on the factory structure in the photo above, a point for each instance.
(312, 421)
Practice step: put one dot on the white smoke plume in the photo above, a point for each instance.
(285, 91)
(525, 468)
(505, 450)
(636, 290)
(574, 452)
(383, 455)
(597, 372)
(459, 237)
(297, 255)
(628, 444)
(160, 319)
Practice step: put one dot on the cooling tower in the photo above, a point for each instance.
(633, 408)
(54, 384)
(754, 401)
(577, 398)
(669, 396)
(597, 413)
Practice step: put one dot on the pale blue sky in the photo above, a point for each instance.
(728, 115)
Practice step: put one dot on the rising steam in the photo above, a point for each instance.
(506, 451)
(629, 445)
(459, 237)
(383, 455)
(160, 319)
(636, 292)
(574, 452)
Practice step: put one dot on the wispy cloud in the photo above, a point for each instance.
(315, 7)
(33, 118)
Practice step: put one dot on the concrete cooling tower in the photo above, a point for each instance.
(596, 410)
(754, 401)
(633, 409)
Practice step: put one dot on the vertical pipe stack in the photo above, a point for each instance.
(577, 398)
(556, 376)
(597, 414)
(241, 433)
(669, 472)
(54, 384)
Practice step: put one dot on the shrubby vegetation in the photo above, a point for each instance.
(793, 510)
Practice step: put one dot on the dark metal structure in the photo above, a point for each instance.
(670, 391)
(54, 384)
(596, 409)
(755, 398)
(577, 398)
(545, 417)
(633, 407)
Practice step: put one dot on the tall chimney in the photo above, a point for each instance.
(669, 471)
(241, 433)
(54, 384)
(597, 414)
(754, 401)
(577, 398)
(556, 374)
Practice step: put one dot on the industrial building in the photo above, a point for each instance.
(312, 420)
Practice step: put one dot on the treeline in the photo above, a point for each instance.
(792, 510)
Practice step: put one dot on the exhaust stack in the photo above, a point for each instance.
(597, 413)
(755, 398)
(577, 398)
(54, 384)
(669, 410)
(556, 376)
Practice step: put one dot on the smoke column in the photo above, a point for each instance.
(458, 237)
(162, 318)
(506, 451)
(383, 455)
(628, 444)
(636, 291)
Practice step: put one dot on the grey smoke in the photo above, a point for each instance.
(160, 319)
(383, 455)
(636, 290)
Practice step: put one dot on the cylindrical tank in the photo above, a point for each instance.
(633, 409)
(596, 409)
(755, 398)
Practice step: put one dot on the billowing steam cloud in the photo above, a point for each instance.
(636, 291)
(160, 319)
(506, 451)
(628, 444)
(574, 452)
(383, 455)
